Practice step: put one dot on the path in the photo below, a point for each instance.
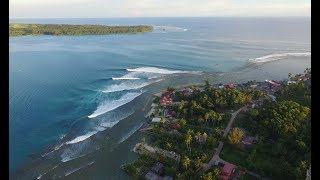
(218, 150)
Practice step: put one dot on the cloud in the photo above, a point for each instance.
(156, 8)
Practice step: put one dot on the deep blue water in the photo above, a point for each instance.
(61, 87)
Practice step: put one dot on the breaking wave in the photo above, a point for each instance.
(125, 78)
(276, 57)
(149, 73)
(111, 105)
(82, 138)
(156, 70)
(126, 86)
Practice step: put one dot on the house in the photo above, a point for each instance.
(275, 88)
(175, 125)
(229, 86)
(165, 100)
(168, 113)
(227, 171)
(187, 92)
(248, 140)
(221, 87)
(156, 120)
(253, 86)
(158, 168)
(273, 98)
(152, 176)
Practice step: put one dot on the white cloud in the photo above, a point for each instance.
(151, 8)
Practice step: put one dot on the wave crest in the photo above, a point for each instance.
(275, 57)
(82, 138)
(111, 105)
(126, 86)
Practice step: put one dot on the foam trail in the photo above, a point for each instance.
(125, 86)
(55, 149)
(40, 176)
(130, 133)
(66, 159)
(77, 169)
(109, 124)
(275, 57)
(111, 105)
(156, 70)
(82, 138)
(125, 78)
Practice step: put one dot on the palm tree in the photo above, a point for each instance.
(206, 116)
(205, 136)
(198, 135)
(200, 120)
(183, 122)
(208, 176)
(186, 162)
(168, 145)
(216, 172)
(188, 141)
(218, 119)
(163, 120)
(198, 162)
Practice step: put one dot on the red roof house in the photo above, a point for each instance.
(166, 97)
(227, 171)
(229, 86)
(175, 125)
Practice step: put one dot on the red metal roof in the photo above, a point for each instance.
(227, 168)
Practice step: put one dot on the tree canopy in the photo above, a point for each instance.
(67, 29)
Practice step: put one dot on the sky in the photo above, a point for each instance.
(156, 8)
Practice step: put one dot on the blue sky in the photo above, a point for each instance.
(155, 8)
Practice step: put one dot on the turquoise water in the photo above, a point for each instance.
(65, 90)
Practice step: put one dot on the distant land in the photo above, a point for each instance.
(67, 29)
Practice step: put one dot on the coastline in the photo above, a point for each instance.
(142, 106)
(268, 87)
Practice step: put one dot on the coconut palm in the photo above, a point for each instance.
(188, 141)
(186, 162)
(198, 135)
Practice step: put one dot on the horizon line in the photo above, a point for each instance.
(161, 17)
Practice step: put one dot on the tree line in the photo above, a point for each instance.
(66, 29)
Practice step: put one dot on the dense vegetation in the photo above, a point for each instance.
(202, 116)
(66, 29)
(284, 129)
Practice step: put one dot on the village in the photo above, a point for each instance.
(188, 140)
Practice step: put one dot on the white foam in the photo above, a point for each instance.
(125, 78)
(66, 159)
(126, 86)
(275, 57)
(39, 177)
(82, 138)
(155, 70)
(169, 29)
(77, 169)
(109, 124)
(100, 128)
(58, 147)
(111, 105)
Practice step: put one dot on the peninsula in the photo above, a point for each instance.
(67, 29)
(253, 130)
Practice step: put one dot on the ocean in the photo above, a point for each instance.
(76, 102)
